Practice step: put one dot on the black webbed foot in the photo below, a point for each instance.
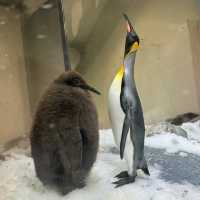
(123, 174)
(124, 181)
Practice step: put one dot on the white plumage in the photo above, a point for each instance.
(117, 115)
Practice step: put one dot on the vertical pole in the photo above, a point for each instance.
(63, 34)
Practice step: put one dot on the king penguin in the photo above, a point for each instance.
(65, 134)
(126, 114)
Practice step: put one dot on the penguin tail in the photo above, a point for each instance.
(144, 167)
(146, 170)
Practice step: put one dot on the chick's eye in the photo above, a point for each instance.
(76, 81)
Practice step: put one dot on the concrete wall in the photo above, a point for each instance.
(81, 18)
(14, 104)
(164, 67)
(43, 52)
(43, 48)
(194, 28)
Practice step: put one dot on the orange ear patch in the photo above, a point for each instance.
(134, 47)
(128, 27)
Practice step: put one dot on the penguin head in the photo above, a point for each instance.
(74, 79)
(132, 39)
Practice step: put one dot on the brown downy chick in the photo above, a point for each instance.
(64, 136)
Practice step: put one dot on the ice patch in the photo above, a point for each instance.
(193, 130)
(173, 143)
(183, 154)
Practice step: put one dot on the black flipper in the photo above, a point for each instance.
(71, 147)
(137, 131)
(126, 127)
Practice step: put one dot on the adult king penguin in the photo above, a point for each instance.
(125, 111)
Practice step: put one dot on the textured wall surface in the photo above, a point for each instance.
(14, 104)
(43, 52)
(194, 29)
(164, 67)
(43, 48)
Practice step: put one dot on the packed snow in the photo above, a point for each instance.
(193, 130)
(18, 180)
(173, 143)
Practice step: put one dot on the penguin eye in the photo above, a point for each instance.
(73, 82)
(134, 38)
(76, 81)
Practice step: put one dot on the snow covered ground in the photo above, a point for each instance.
(174, 163)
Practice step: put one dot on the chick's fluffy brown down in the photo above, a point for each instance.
(64, 136)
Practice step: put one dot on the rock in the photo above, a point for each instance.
(165, 127)
(182, 118)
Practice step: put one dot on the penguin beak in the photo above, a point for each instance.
(132, 39)
(129, 25)
(90, 88)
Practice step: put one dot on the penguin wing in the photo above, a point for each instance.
(71, 147)
(125, 129)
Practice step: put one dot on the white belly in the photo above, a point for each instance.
(117, 116)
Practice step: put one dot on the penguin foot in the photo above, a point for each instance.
(124, 181)
(123, 174)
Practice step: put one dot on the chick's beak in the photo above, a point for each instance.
(90, 88)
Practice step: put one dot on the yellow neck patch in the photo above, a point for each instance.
(120, 73)
(134, 47)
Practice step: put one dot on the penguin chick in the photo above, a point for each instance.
(64, 136)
